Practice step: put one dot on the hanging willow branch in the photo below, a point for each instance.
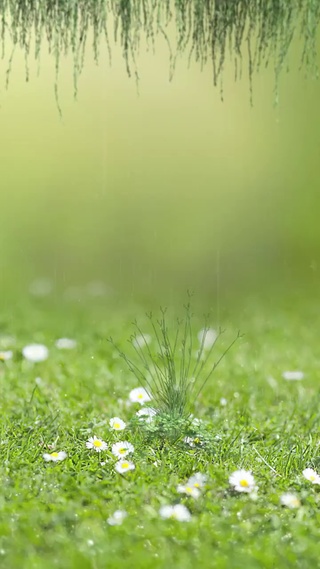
(206, 30)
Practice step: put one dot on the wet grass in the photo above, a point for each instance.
(55, 514)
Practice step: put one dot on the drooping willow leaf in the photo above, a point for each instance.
(259, 31)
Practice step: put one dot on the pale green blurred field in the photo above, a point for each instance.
(164, 187)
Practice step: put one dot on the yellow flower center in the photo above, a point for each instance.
(122, 450)
(196, 485)
(97, 444)
(140, 396)
(312, 477)
(244, 483)
(295, 502)
(196, 440)
(54, 454)
(188, 489)
(125, 465)
(116, 425)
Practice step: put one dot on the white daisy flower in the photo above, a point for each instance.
(66, 344)
(55, 456)
(311, 475)
(178, 512)
(223, 401)
(139, 395)
(124, 465)
(242, 481)
(122, 449)
(146, 414)
(141, 341)
(6, 355)
(293, 375)
(290, 500)
(189, 490)
(35, 352)
(207, 337)
(197, 480)
(192, 441)
(97, 444)
(117, 424)
(117, 518)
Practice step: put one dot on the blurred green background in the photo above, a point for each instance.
(158, 188)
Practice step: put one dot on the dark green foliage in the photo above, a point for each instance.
(206, 30)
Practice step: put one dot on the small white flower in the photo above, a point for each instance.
(223, 401)
(55, 456)
(293, 375)
(192, 441)
(177, 512)
(242, 481)
(124, 465)
(189, 490)
(96, 444)
(117, 424)
(122, 449)
(207, 338)
(311, 475)
(196, 422)
(139, 395)
(6, 355)
(117, 518)
(35, 352)
(41, 287)
(66, 344)
(146, 414)
(141, 341)
(290, 500)
(197, 480)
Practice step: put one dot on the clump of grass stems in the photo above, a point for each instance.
(175, 372)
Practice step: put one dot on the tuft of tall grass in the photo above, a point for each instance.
(175, 371)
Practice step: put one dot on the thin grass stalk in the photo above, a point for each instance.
(142, 356)
(216, 365)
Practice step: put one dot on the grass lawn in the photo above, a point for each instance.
(57, 514)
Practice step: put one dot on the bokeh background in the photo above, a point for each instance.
(162, 186)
